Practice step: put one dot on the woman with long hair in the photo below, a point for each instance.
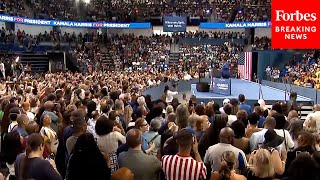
(86, 161)
(262, 167)
(227, 171)
(108, 140)
(305, 143)
(211, 136)
(143, 126)
(127, 114)
(209, 111)
(182, 114)
(201, 125)
(31, 165)
(12, 147)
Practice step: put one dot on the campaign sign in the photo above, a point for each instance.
(214, 25)
(221, 86)
(76, 24)
(295, 24)
(174, 24)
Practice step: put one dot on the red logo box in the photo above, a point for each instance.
(295, 24)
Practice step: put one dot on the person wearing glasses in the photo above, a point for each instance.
(143, 126)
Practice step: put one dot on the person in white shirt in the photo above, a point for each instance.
(257, 138)
(225, 101)
(169, 94)
(26, 108)
(14, 113)
(214, 153)
(91, 124)
(227, 110)
(187, 76)
(3, 70)
(314, 116)
(107, 138)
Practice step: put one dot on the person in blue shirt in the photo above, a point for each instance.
(243, 105)
(225, 71)
(259, 111)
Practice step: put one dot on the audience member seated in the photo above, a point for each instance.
(301, 71)
(251, 10)
(13, 7)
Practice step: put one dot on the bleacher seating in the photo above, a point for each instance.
(39, 62)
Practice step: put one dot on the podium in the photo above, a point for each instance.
(203, 87)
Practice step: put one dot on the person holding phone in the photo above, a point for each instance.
(152, 136)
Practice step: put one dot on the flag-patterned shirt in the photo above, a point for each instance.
(177, 167)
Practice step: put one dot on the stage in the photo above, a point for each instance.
(251, 92)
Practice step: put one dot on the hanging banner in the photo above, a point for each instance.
(174, 24)
(76, 24)
(235, 25)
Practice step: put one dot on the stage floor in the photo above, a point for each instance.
(249, 89)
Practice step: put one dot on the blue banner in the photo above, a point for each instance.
(174, 24)
(221, 86)
(44, 22)
(235, 25)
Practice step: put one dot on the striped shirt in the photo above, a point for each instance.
(177, 167)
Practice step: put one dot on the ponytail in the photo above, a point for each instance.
(34, 142)
(225, 171)
(25, 164)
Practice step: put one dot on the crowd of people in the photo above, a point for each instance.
(13, 7)
(21, 37)
(262, 43)
(145, 53)
(113, 11)
(252, 10)
(211, 56)
(212, 34)
(301, 71)
(100, 126)
(89, 55)
(127, 11)
(57, 9)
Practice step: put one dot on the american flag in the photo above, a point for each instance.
(245, 65)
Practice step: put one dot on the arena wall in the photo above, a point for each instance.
(71, 30)
(272, 59)
(33, 30)
(307, 92)
(136, 32)
(261, 32)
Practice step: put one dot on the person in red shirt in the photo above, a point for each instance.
(182, 166)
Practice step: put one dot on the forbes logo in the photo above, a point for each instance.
(281, 15)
